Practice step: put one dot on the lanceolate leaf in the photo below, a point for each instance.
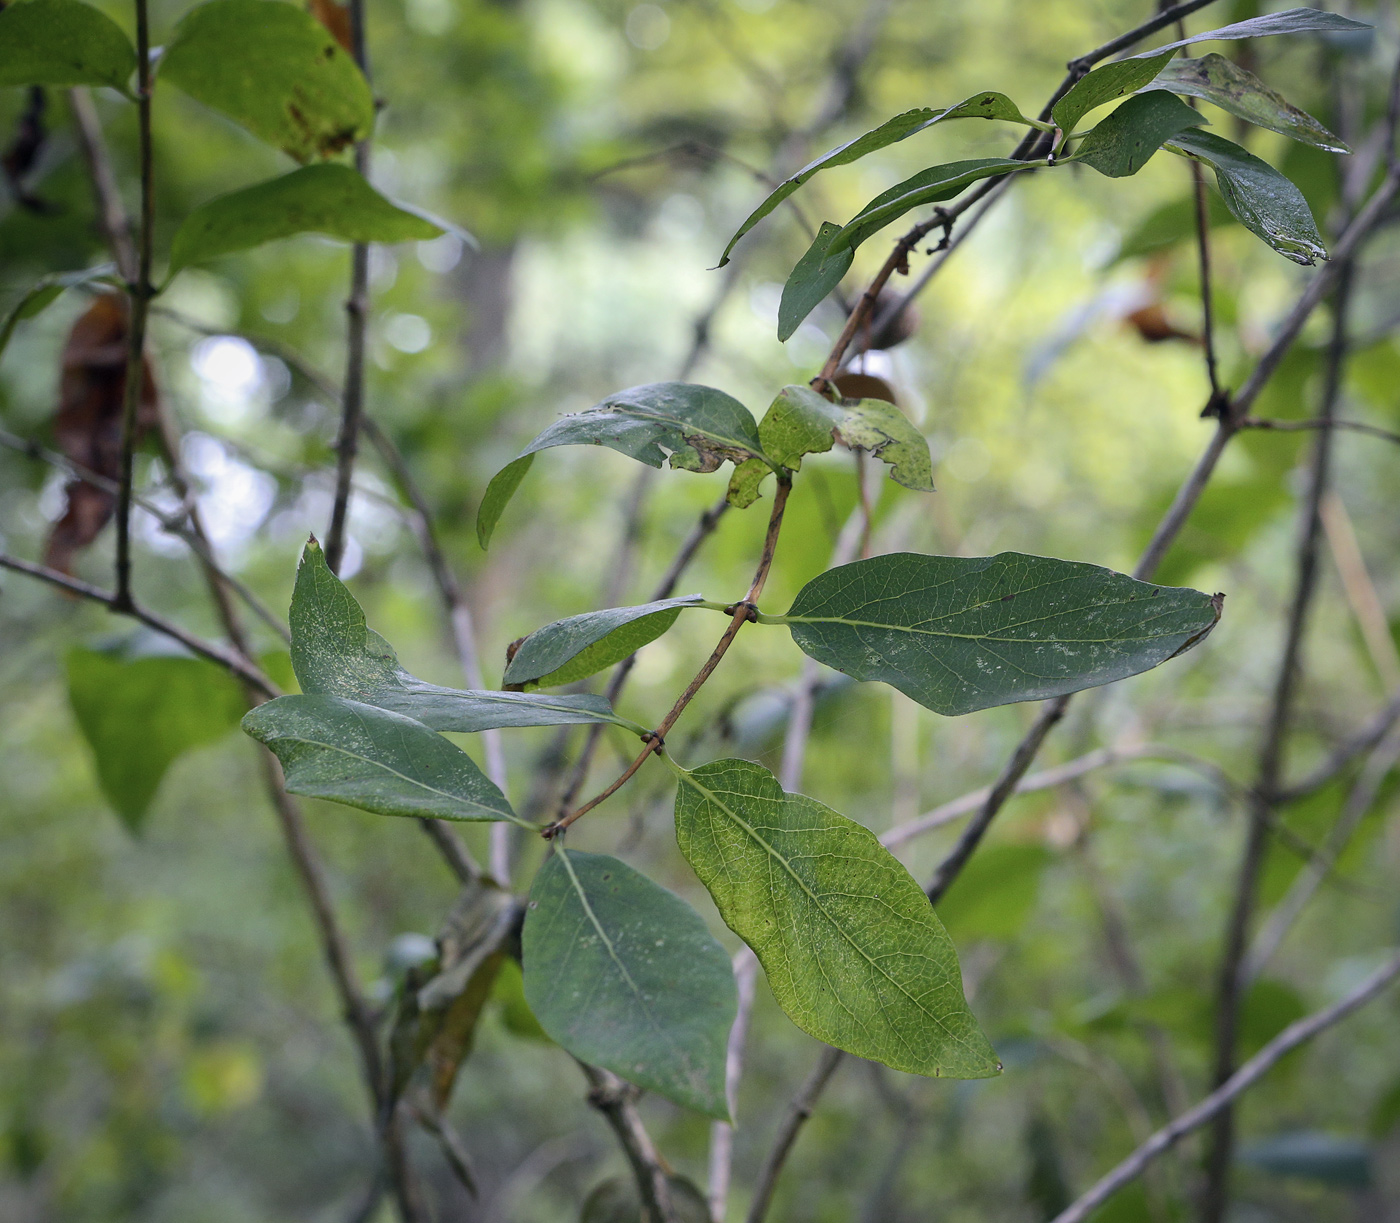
(334, 653)
(927, 187)
(1262, 199)
(580, 646)
(63, 42)
(980, 106)
(373, 759)
(625, 975)
(1239, 91)
(1102, 85)
(1290, 21)
(812, 278)
(958, 634)
(697, 426)
(275, 69)
(853, 950)
(1123, 143)
(333, 200)
(140, 707)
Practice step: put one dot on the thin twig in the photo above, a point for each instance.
(799, 1110)
(1295, 426)
(112, 218)
(1223, 1096)
(1360, 590)
(1231, 983)
(357, 324)
(616, 1101)
(139, 293)
(1343, 754)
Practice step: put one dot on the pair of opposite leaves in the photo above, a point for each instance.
(618, 970)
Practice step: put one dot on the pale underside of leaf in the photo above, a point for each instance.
(959, 634)
(334, 653)
(853, 950)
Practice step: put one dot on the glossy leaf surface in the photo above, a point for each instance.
(334, 653)
(63, 42)
(140, 708)
(274, 69)
(625, 975)
(332, 200)
(580, 646)
(1261, 199)
(1237, 90)
(373, 759)
(958, 634)
(989, 105)
(1125, 141)
(1115, 80)
(853, 950)
(696, 427)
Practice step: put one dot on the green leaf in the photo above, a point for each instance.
(980, 106)
(889, 435)
(63, 42)
(958, 634)
(625, 975)
(697, 426)
(1124, 142)
(616, 1200)
(995, 893)
(580, 646)
(813, 277)
(373, 759)
(333, 200)
(1261, 198)
(927, 187)
(1239, 91)
(140, 707)
(334, 653)
(1170, 223)
(274, 69)
(1104, 84)
(508, 993)
(853, 950)
(799, 422)
(47, 291)
(1290, 21)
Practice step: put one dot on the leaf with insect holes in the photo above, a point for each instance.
(580, 646)
(698, 427)
(141, 706)
(275, 70)
(625, 975)
(334, 653)
(964, 633)
(62, 43)
(1125, 141)
(1261, 199)
(370, 758)
(1237, 90)
(331, 200)
(988, 105)
(853, 950)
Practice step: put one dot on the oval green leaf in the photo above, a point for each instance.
(958, 634)
(580, 646)
(370, 758)
(1237, 90)
(853, 950)
(1124, 142)
(274, 69)
(61, 43)
(334, 653)
(624, 974)
(697, 426)
(1115, 80)
(332, 200)
(1261, 199)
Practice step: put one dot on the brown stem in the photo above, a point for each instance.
(1231, 984)
(139, 294)
(616, 1101)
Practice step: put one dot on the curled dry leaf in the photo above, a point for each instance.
(88, 424)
